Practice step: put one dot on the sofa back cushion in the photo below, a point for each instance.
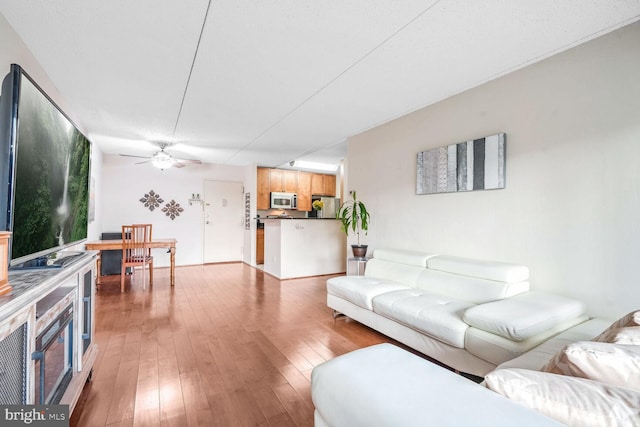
(481, 269)
(472, 280)
(398, 266)
(465, 288)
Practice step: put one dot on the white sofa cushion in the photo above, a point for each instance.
(397, 265)
(481, 269)
(608, 363)
(524, 316)
(392, 271)
(496, 349)
(465, 288)
(361, 290)
(572, 401)
(434, 315)
(537, 357)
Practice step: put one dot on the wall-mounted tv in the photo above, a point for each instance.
(44, 170)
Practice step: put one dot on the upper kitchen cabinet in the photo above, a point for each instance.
(323, 185)
(264, 201)
(330, 185)
(279, 180)
(282, 180)
(304, 191)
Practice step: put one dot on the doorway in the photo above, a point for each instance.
(223, 216)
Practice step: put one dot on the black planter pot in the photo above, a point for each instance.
(359, 251)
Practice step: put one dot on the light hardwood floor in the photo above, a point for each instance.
(227, 346)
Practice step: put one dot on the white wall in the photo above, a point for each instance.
(14, 51)
(125, 183)
(571, 207)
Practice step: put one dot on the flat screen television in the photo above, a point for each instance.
(44, 170)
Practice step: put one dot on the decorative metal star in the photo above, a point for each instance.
(151, 200)
(172, 209)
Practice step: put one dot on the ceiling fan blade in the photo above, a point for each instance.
(130, 155)
(191, 161)
(178, 163)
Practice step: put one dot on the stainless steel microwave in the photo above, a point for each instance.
(284, 200)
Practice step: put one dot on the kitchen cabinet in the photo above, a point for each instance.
(317, 184)
(278, 180)
(323, 185)
(260, 246)
(304, 191)
(264, 199)
(282, 180)
(329, 185)
(290, 181)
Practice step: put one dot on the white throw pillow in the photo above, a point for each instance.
(572, 401)
(626, 336)
(609, 363)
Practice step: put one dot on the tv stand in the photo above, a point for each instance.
(66, 258)
(37, 299)
(55, 260)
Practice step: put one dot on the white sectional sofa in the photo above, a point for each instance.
(543, 360)
(469, 314)
(383, 385)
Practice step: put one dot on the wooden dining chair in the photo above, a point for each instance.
(135, 251)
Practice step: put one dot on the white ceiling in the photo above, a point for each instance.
(241, 81)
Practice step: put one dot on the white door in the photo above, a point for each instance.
(223, 216)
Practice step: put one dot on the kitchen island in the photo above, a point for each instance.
(303, 247)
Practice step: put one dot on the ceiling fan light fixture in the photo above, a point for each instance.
(162, 160)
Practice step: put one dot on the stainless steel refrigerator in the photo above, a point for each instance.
(331, 206)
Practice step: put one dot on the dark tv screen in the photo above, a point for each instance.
(48, 172)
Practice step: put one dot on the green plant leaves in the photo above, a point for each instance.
(354, 216)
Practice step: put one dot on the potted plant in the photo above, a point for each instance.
(354, 217)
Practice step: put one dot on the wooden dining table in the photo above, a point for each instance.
(107, 245)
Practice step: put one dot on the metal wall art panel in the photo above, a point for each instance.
(472, 165)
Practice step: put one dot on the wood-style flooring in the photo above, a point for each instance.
(227, 346)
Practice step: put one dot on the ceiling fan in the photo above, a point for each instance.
(163, 160)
